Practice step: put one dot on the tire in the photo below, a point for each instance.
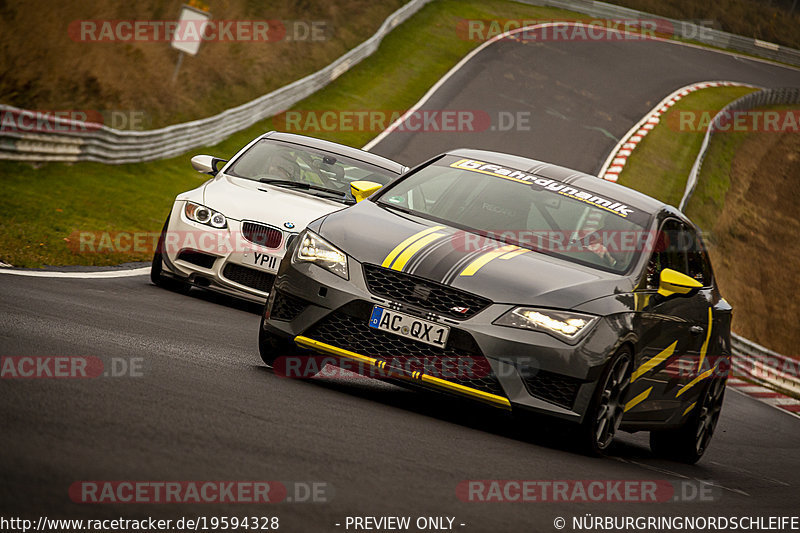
(688, 443)
(603, 418)
(271, 346)
(157, 266)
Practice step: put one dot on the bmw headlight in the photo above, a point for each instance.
(204, 215)
(567, 326)
(314, 249)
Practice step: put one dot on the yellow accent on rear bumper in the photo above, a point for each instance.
(491, 399)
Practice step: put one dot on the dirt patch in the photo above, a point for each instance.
(755, 247)
(46, 65)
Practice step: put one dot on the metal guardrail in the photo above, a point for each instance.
(764, 97)
(761, 364)
(681, 29)
(80, 141)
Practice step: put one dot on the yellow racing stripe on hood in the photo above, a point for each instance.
(406, 243)
(409, 252)
(484, 259)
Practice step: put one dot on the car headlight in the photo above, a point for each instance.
(204, 215)
(567, 326)
(314, 249)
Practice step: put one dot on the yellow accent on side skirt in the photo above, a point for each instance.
(402, 246)
(492, 399)
(637, 400)
(695, 381)
(688, 409)
(654, 361)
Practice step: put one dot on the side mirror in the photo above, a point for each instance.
(673, 282)
(362, 189)
(207, 164)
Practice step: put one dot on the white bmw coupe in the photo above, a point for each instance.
(229, 234)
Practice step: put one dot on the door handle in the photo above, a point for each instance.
(697, 330)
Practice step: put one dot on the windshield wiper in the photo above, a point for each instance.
(306, 186)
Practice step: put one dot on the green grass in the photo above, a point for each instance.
(43, 206)
(660, 164)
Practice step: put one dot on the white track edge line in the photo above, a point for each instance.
(107, 274)
(654, 112)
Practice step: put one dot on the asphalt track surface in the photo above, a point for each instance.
(204, 407)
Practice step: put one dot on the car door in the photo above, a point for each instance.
(670, 329)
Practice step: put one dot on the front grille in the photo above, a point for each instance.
(197, 258)
(554, 388)
(429, 295)
(347, 328)
(286, 307)
(262, 234)
(256, 279)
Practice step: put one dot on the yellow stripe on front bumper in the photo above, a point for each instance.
(492, 399)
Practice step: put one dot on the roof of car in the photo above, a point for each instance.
(547, 170)
(347, 151)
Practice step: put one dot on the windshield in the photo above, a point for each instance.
(512, 206)
(269, 160)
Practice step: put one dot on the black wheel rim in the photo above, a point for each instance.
(709, 414)
(612, 403)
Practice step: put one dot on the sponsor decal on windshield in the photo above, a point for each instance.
(548, 184)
